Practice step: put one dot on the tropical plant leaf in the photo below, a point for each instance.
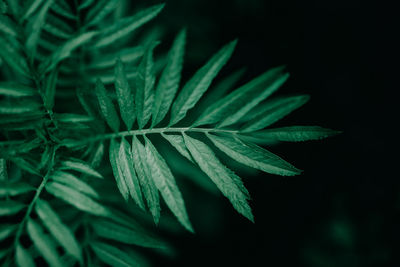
(114, 256)
(126, 234)
(143, 171)
(199, 83)
(179, 144)
(240, 101)
(77, 199)
(224, 179)
(8, 26)
(273, 111)
(126, 165)
(124, 95)
(14, 89)
(170, 78)
(100, 11)
(58, 229)
(165, 182)
(10, 207)
(23, 258)
(50, 89)
(70, 180)
(30, 7)
(117, 171)
(253, 156)
(144, 97)
(79, 166)
(107, 107)
(14, 189)
(7, 230)
(125, 26)
(295, 133)
(43, 244)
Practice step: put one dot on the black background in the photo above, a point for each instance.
(342, 211)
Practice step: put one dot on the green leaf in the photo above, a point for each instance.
(13, 56)
(50, 89)
(26, 166)
(126, 165)
(114, 256)
(10, 207)
(85, 4)
(226, 181)
(144, 97)
(124, 95)
(15, 89)
(23, 258)
(73, 182)
(126, 26)
(65, 50)
(100, 11)
(199, 83)
(79, 166)
(253, 156)
(165, 182)
(126, 234)
(58, 229)
(77, 199)
(179, 144)
(8, 26)
(19, 108)
(117, 171)
(170, 78)
(62, 8)
(3, 170)
(295, 133)
(127, 55)
(232, 107)
(273, 111)
(143, 171)
(14, 189)
(107, 107)
(7, 230)
(35, 28)
(44, 244)
(30, 8)
(72, 118)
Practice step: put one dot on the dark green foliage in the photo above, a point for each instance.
(59, 203)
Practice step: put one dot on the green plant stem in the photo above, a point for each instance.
(35, 198)
(147, 131)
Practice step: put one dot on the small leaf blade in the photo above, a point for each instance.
(199, 83)
(170, 78)
(23, 258)
(165, 182)
(79, 166)
(117, 171)
(107, 107)
(58, 229)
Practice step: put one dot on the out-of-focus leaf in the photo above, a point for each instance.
(79, 166)
(107, 107)
(73, 182)
(23, 258)
(124, 95)
(15, 89)
(14, 189)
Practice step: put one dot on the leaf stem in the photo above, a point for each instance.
(95, 138)
(35, 198)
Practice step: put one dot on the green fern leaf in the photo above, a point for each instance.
(170, 78)
(253, 156)
(10, 207)
(13, 56)
(100, 11)
(14, 189)
(124, 95)
(107, 107)
(30, 7)
(223, 178)
(44, 244)
(7, 230)
(50, 89)
(14, 89)
(127, 55)
(144, 174)
(199, 83)
(58, 229)
(179, 144)
(165, 182)
(232, 107)
(295, 133)
(273, 111)
(128, 172)
(23, 258)
(126, 234)
(73, 182)
(114, 256)
(79, 166)
(125, 26)
(77, 199)
(117, 171)
(8, 26)
(144, 97)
